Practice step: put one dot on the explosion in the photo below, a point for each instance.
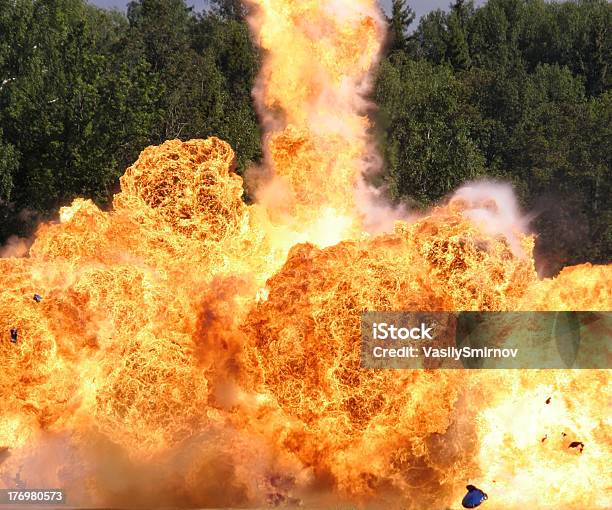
(311, 95)
(192, 350)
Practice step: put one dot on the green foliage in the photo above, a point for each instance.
(9, 163)
(229, 9)
(84, 90)
(402, 17)
(572, 34)
(427, 130)
(527, 101)
(73, 105)
(227, 47)
(495, 33)
(458, 52)
(432, 37)
(561, 151)
(516, 89)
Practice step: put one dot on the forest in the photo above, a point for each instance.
(513, 90)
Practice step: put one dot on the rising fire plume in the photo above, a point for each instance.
(192, 350)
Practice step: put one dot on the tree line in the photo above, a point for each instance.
(517, 90)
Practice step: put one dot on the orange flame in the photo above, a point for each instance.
(311, 93)
(189, 351)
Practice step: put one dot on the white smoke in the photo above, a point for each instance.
(490, 205)
(15, 247)
(378, 214)
(493, 206)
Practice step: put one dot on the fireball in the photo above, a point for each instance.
(187, 341)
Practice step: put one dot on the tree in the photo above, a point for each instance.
(402, 17)
(494, 35)
(78, 106)
(574, 34)
(229, 9)
(559, 150)
(458, 52)
(432, 37)
(427, 127)
(163, 26)
(9, 163)
(206, 65)
(515, 89)
(444, 37)
(584, 41)
(228, 43)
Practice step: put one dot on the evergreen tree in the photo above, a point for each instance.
(402, 17)
(458, 52)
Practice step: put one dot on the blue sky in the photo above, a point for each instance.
(420, 6)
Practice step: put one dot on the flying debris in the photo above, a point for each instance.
(14, 334)
(474, 497)
(38, 298)
(577, 444)
(548, 400)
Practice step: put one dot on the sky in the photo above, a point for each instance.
(420, 6)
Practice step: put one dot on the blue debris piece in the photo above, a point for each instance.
(14, 335)
(38, 298)
(474, 497)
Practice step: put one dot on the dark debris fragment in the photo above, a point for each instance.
(577, 444)
(474, 497)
